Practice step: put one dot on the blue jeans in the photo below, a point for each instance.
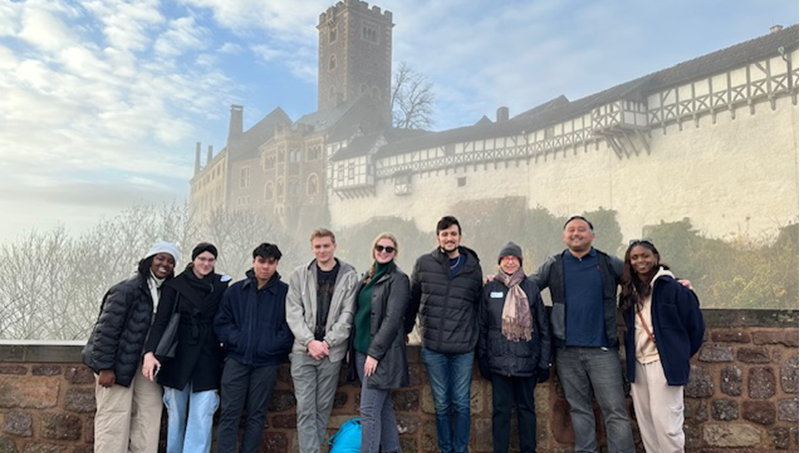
(378, 422)
(450, 376)
(587, 371)
(191, 417)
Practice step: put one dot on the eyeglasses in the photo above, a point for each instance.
(639, 241)
(388, 249)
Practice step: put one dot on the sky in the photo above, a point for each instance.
(102, 101)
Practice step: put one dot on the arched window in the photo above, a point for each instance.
(269, 191)
(312, 185)
(280, 188)
(294, 187)
(332, 63)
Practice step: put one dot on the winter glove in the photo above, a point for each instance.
(542, 375)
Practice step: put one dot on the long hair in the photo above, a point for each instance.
(384, 235)
(634, 289)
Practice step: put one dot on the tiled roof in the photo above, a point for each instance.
(246, 146)
(361, 145)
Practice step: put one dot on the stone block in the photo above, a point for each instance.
(38, 447)
(274, 442)
(731, 435)
(407, 424)
(696, 410)
(693, 436)
(753, 355)
(476, 396)
(83, 449)
(408, 444)
(36, 392)
(414, 376)
(700, 385)
(483, 435)
(789, 375)
(430, 441)
(79, 375)
(725, 409)
(787, 410)
(80, 400)
(405, 400)
(786, 337)
(427, 400)
(339, 400)
(18, 424)
(715, 353)
(8, 445)
(730, 336)
(761, 383)
(780, 438)
(60, 427)
(731, 380)
(282, 400)
(284, 422)
(762, 412)
(46, 370)
(17, 370)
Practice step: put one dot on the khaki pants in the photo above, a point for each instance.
(128, 420)
(659, 409)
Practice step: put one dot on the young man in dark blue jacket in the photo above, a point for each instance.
(251, 324)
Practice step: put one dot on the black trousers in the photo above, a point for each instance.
(505, 392)
(242, 386)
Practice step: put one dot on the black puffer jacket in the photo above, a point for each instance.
(121, 329)
(506, 357)
(448, 306)
(387, 343)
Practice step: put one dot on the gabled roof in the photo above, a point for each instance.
(361, 145)
(561, 109)
(363, 114)
(246, 146)
(484, 120)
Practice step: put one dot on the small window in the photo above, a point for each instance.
(312, 186)
(312, 153)
(244, 178)
(369, 34)
(269, 191)
(462, 181)
(293, 188)
(549, 133)
(351, 170)
(269, 163)
(280, 188)
(332, 34)
(340, 173)
(332, 63)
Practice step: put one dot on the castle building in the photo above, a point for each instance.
(713, 139)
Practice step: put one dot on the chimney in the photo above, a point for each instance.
(197, 158)
(502, 114)
(775, 28)
(235, 126)
(210, 154)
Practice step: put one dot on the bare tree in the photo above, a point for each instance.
(412, 99)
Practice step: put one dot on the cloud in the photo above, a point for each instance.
(183, 35)
(230, 48)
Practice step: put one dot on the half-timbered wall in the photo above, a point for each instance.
(722, 151)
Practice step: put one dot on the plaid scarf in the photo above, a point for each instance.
(517, 320)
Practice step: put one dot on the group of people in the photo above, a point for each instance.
(225, 343)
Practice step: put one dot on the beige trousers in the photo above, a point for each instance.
(659, 409)
(128, 420)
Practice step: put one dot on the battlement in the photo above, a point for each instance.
(362, 7)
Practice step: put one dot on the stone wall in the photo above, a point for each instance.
(742, 396)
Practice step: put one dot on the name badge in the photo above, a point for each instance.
(496, 295)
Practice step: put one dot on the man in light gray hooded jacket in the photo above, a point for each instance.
(319, 310)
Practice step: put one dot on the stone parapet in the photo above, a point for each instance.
(742, 396)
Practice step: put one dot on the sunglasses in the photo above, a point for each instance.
(639, 241)
(388, 249)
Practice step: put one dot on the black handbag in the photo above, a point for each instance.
(168, 344)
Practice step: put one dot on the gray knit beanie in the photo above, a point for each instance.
(510, 249)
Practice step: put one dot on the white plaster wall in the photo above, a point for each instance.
(735, 176)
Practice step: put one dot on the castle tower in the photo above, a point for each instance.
(355, 55)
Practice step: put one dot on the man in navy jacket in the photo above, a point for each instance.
(251, 324)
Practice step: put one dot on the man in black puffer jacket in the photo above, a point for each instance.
(446, 289)
(114, 352)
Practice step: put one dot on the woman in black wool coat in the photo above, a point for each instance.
(191, 378)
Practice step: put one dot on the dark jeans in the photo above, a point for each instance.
(244, 385)
(507, 390)
(587, 371)
(450, 376)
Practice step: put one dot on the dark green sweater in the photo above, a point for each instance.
(362, 320)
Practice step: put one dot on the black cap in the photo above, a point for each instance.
(510, 249)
